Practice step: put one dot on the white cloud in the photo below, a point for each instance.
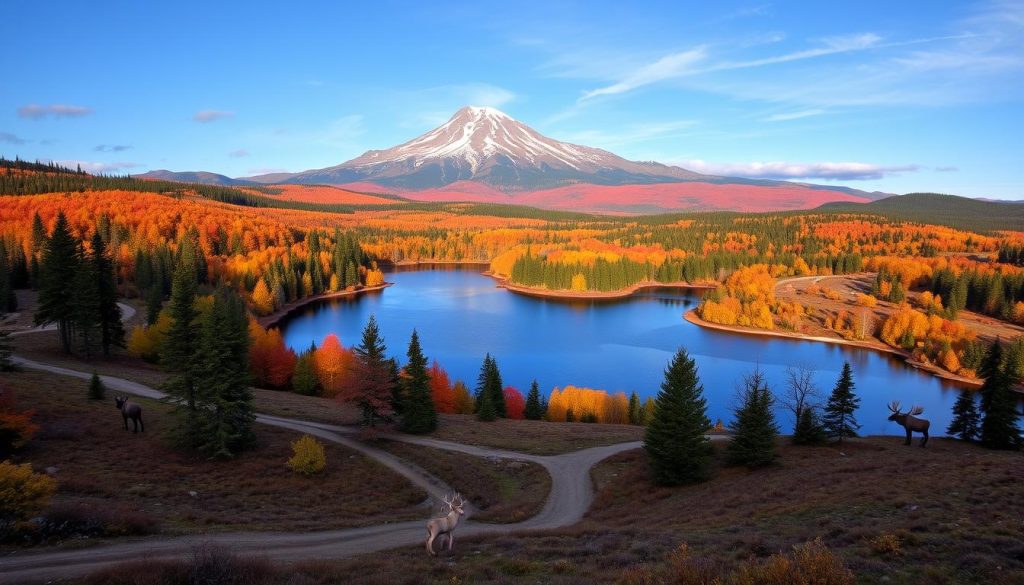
(112, 147)
(630, 134)
(668, 67)
(207, 116)
(786, 116)
(839, 171)
(37, 112)
(98, 167)
(240, 153)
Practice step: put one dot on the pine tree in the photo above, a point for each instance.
(966, 421)
(154, 302)
(998, 403)
(754, 429)
(808, 429)
(8, 300)
(304, 379)
(419, 414)
(534, 407)
(59, 264)
(85, 307)
(97, 390)
(675, 443)
(636, 412)
(373, 389)
(839, 421)
(6, 350)
(485, 410)
(109, 314)
(489, 383)
(226, 414)
(179, 352)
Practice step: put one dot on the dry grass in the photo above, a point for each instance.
(529, 436)
(309, 408)
(99, 464)
(502, 490)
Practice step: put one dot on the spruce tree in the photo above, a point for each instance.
(998, 402)
(485, 410)
(419, 414)
(635, 410)
(808, 429)
(85, 307)
(154, 302)
(97, 390)
(965, 423)
(534, 407)
(179, 352)
(109, 317)
(839, 421)
(675, 441)
(489, 383)
(226, 413)
(8, 300)
(304, 379)
(59, 264)
(374, 387)
(754, 428)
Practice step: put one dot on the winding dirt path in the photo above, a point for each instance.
(569, 499)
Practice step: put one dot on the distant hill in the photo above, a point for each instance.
(950, 210)
(202, 177)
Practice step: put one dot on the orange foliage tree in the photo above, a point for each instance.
(334, 365)
(515, 404)
(441, 389)
(271, 362)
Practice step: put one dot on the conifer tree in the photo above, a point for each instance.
(226, 413)
(6, 350)
(485, 410)
(675, 443)
(998, 403)
(754, 428)
(636, 412)
(179, 352)
(373, 390)
(419, 414)
(85, 307)
(8, 300)
(489, 383)
(808, 429)
(304, 379)
(109, 314)
(59, 264)
(839, 421)
(966, 420)
(154, 302)
(97, 390)
(534, 407)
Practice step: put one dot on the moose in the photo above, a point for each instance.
(446, 524)
(130, 410)
(910, 421)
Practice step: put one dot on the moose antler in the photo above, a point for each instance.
(894, 407)
(916, 410)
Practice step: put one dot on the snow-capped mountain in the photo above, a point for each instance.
(486, 145)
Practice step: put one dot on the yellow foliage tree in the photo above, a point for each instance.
(23, 494)
(579, 282)
(262, 299)
(308, 457)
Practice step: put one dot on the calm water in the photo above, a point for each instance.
(622, 345)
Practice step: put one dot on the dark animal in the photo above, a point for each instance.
(910, 421)
(130, 410)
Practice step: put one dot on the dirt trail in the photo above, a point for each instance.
(570, 498)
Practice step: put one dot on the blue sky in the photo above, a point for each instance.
(892, 96)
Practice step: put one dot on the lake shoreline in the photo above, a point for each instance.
(692, 317)
(271, 320)
(568, 295)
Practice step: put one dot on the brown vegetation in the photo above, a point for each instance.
(531, 436)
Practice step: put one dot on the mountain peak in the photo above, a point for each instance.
(478, 112)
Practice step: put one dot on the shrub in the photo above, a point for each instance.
(97, 390)
(68, 520)
(22, 492)
(308, 456)
(886, 543)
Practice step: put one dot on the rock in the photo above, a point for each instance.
(193, 493)
(52, 470)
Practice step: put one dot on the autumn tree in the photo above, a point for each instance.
(966, 420)
(372, 388)
(333, 364)
(534, 409)
(675, 441)
(441, 389)
(754, 429)
(839, 420)
(271, 362)
(23, 493)
(801, 398)
(515, 405)
(262, 299)
(59, 264)
(304, 379)
(16, 426)
(418, 412)
(464, 403)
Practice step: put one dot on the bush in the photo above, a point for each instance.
(22, 492)
(308, 456)
(886, 543)
(67, 520)
(97, 389)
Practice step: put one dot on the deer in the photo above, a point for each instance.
(130, 410)
(910, 421)
(445, 525)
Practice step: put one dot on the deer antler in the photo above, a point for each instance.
(894, 407)
(461, 499)
(916, 410)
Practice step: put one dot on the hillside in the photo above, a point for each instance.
(949, 210)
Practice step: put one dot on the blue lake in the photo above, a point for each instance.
(613, 345)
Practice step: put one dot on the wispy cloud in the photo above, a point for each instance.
(668, 67)
(38, 112)
(240, 153)
(112, 147)
(786, 116)
(207, 116)
(630, 134)
(11, 138)
(98, 167)
(837, 171)
(947, 169)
